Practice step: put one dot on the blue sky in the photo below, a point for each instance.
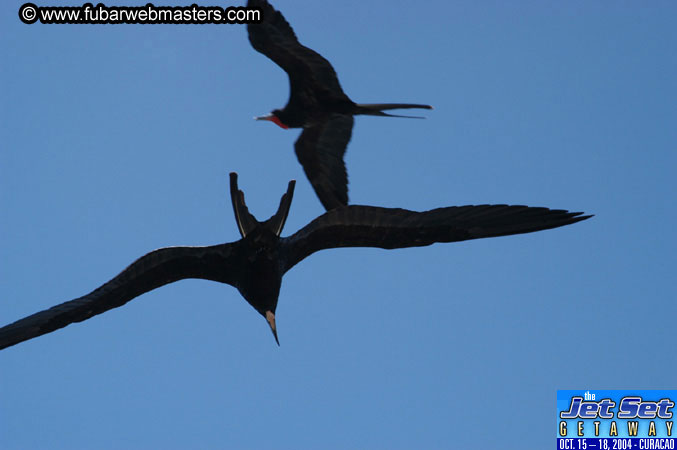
(117, 140)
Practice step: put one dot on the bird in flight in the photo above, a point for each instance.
(256, 263)
(316, 103)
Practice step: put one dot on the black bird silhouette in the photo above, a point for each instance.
(256, 263)
(316, 103)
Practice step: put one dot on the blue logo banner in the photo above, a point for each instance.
(615, 419)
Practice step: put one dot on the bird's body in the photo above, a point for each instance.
(316, 103)
(256, 263)
(261, 277)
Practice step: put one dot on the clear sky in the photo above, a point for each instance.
(117, 140)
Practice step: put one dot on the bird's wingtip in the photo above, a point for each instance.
(575, 217)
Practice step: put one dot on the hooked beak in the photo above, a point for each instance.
(270, 317)
(272, 118)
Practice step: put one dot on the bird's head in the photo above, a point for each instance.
(263, 298)
(267, 310)
(275, 118)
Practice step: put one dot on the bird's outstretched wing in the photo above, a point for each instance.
(320, 150)
(155, 269)
(389, 228)
(309, 73)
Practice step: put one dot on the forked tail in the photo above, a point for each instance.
(376, 109)
(246, 222)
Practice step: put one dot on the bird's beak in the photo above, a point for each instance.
(272, 118)
(270, 317)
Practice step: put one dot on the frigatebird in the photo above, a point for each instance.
(316, 103)
(256, 263)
